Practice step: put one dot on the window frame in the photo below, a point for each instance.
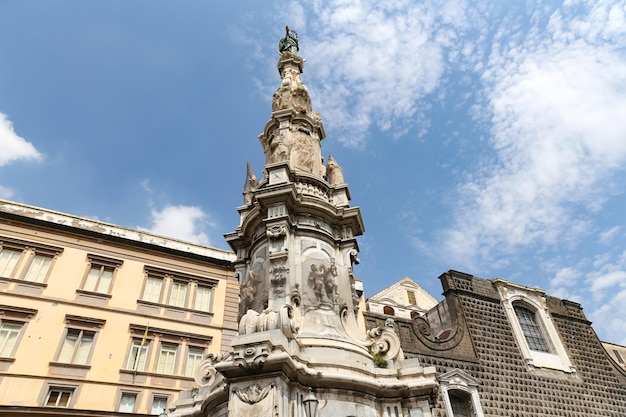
(159, 396)
(50, 387)
(155, 339)
(31, 262)
(143, 345)
(178, 284)
(95, 262)
(28, 251)
(17, 315)
(196, 298)
(412, 298)
(455, 381)
(197, 359)
(16, 341)
(84, 340)
(165, 346)
(533, 299)
(169, 291)
(531, 327)
(389, 311)
(83, 325)
(125, 393)
(145, 299)
(16, 266)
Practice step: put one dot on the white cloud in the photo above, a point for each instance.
(6, 193)
(613, 279)
(609, 320)
(565, 277)
(558, 136)
(607, 236)
(181, 222)
(606, 296)
(376, 59)
(12, 146)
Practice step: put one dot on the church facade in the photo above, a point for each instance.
(502, 349)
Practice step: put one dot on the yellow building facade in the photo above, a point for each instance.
(97, 319)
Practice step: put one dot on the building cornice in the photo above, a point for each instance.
(94, 228)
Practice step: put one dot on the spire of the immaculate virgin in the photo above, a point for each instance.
(295, 131)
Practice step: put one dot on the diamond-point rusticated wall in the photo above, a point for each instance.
(489, 351)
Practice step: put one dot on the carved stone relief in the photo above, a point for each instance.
(276, 235)
(278, 274)
(286, 319)
(251, 357)
(322, 279)
(253, 393)
(385, 342)
(248, 292)
(254, 288)
(279, 148)
(312, 190)
(253, 401)
(440, 328)
(304, 152)
(205, 372)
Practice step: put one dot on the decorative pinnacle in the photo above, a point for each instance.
(289, 43)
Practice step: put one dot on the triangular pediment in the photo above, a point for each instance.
(458, 377)
(396, 294)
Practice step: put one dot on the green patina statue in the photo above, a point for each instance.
(289, 43)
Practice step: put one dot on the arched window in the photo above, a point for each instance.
(389, 311)
(414, 314)
(533, 328)
(530, 328)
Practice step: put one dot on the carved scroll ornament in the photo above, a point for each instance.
(205, 372)
(386, 343)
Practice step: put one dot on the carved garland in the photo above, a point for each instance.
(253, 393)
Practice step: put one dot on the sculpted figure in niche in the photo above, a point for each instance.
(316, 277)
(334, 173)
(279, 149)
(304, 152)
(322, 279)
(277, 101)
(248, 292)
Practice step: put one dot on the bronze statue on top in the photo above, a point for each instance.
(289, 43)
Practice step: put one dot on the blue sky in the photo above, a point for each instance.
(483, 136)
